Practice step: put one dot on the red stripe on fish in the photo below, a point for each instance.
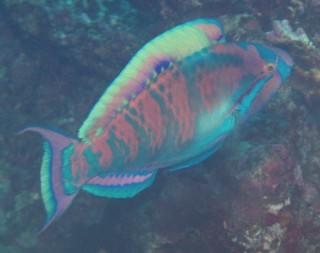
(100, 146)
(149, 110)
(176, 98)
(220, 80)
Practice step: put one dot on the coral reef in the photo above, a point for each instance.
(306, 50)
(283, 33)
(81, 31)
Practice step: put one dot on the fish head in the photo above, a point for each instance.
(270, 67)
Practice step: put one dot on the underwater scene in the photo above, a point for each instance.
(160, 126)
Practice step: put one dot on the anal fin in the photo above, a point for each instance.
(120, 185)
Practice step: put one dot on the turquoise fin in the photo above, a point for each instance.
(199, 158)
(54, 195)
(196, 160)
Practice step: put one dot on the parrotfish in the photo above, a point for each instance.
(173, 105)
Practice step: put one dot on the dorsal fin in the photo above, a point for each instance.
(167, 48)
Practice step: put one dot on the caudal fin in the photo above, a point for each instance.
(54, 195)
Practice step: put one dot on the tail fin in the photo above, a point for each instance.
(56, 199)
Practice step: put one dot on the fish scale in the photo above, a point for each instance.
(172, 106)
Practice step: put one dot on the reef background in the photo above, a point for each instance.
(259, 193)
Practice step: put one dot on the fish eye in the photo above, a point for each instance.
(270, 67)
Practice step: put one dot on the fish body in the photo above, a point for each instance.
(172, 106)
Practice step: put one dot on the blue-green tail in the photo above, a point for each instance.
(56, 199)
